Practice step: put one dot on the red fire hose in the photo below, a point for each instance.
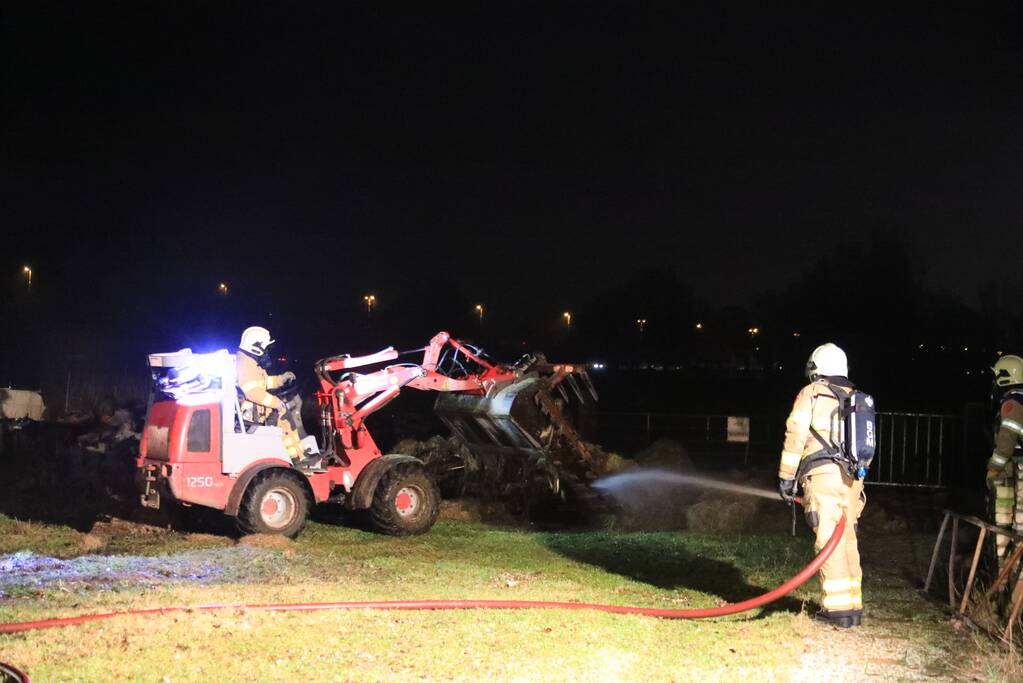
(725, 610)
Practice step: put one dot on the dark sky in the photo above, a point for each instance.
(523, 152)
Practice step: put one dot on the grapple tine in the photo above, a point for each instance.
(527, 425)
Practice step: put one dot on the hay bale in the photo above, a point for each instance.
(665, 454)
(476, 510)
(722, 514)
(92, 541)
(269, 542)
(607, 462)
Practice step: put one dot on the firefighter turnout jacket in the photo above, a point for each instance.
(829, 492)
(816, 406)
(254, 383)
(1005, 471)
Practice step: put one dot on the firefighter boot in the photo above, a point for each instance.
(837, 619)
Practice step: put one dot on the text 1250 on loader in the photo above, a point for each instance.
(198, 450)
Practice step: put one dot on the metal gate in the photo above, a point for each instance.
(916, 449)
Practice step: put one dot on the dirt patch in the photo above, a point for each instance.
(514, 579)
(475, 510)
(116, 526)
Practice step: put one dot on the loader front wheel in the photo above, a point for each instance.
(274, 503)
(406, 501)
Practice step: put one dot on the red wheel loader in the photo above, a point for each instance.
(198, 450)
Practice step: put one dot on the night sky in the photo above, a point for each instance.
(526, 156)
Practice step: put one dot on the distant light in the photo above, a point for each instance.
(641, 322)
(795, 334)
(567, 315)
(598, 366)
(920, 347)
(699, 326)
(966, 348)
(753, 331)
(371, 301)
(222, 288)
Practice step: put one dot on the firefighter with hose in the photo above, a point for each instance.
(1005, 467)
(263, 407)
(829, 441)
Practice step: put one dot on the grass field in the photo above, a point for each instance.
(48, 570)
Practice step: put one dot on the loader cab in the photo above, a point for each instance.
(194, 414)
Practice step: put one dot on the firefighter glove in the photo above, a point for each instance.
(992, 474)
(288, 376)
(787, 489)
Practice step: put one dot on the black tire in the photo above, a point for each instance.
(406, 501)
(276, 502)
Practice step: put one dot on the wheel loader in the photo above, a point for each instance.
(197, 449)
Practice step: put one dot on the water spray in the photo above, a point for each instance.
(621, 481)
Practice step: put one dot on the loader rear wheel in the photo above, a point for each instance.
(406, 501)
(274, 503)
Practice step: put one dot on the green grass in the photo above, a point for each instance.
(905, 635)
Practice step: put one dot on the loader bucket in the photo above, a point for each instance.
(529, 428)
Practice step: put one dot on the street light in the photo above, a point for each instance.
(222, 288)
(28, 271)
(568, 318)
(371, 301)
(699, 327)
(642, 324)
(753, 331)
(479, 310)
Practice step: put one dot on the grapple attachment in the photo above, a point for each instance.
(528, 429)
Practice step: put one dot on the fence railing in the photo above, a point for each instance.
(913, 449)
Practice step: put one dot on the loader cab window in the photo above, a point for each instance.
(199, 431)
(170, 384)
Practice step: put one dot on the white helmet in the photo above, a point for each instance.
(255, 340)
(1008, 371)
(827, 360)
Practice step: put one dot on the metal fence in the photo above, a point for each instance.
(913, 449)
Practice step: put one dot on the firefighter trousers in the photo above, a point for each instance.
(1008, 504)
(830, 493)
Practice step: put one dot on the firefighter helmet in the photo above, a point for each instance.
(827, 360)
(1008, 371)
(255, 340)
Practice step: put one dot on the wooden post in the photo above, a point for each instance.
(973, 571)
(1017, 604)
(952, 563)
(934, 555)
(1003, 573)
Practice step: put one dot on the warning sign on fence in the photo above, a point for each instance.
(738, 429)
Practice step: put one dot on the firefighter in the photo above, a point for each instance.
(810, 460)
(262, 406)
(1005, 467)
